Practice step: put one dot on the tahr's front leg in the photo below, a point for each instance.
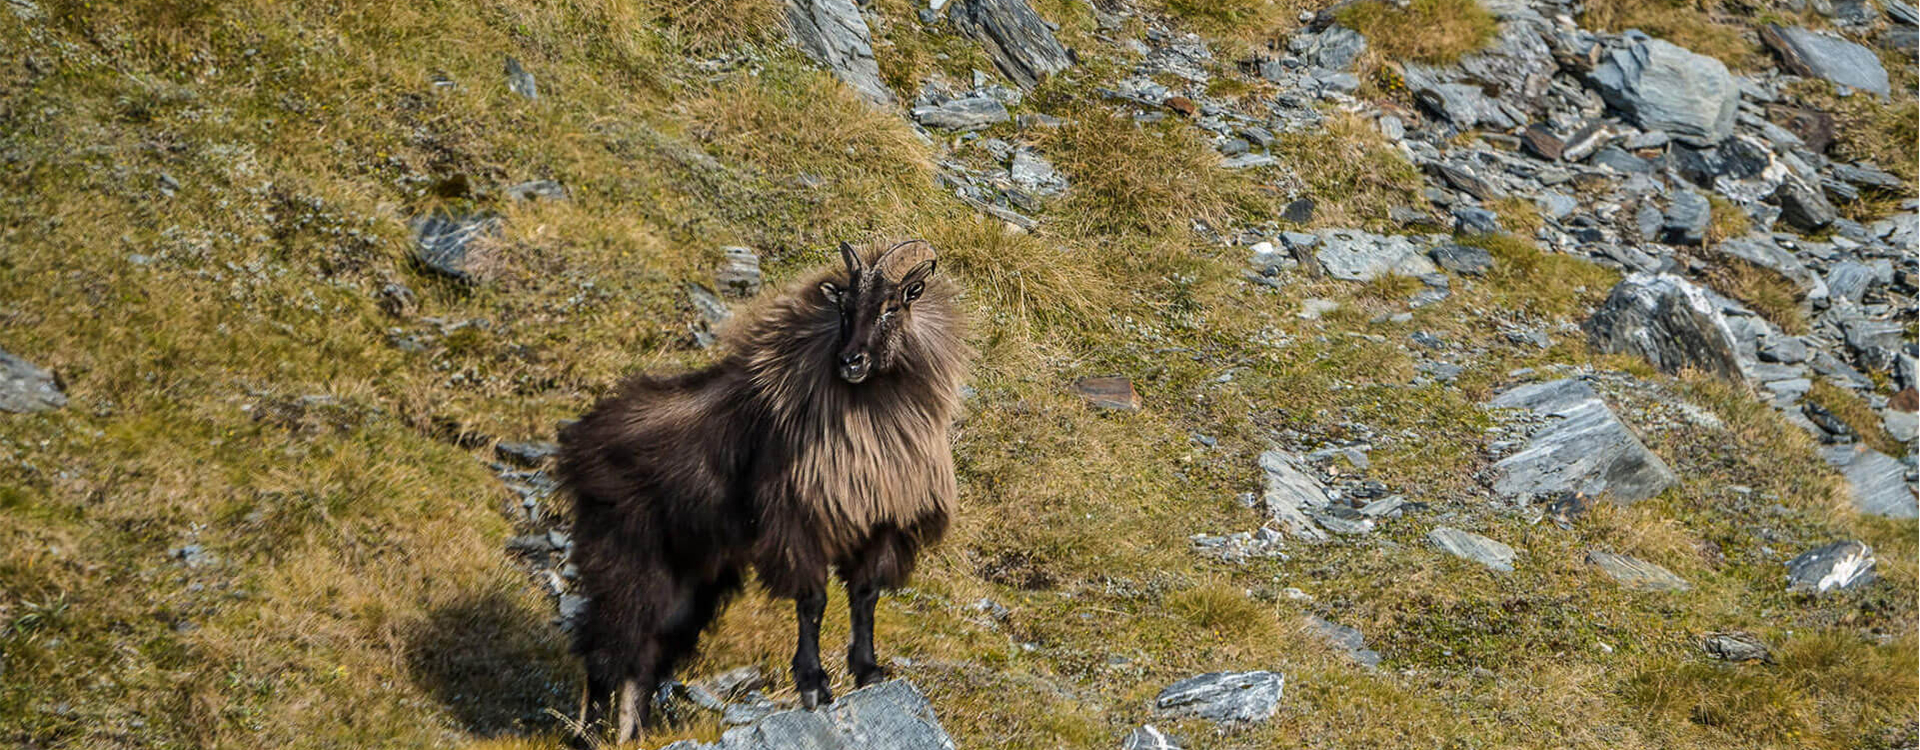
(861, 598)
(809, 678)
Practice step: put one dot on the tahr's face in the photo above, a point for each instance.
(874, 310)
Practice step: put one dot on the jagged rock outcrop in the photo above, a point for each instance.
(1016, 37)
(834, 34)
(1669, 321)
(1815, 55)
(1225, 697)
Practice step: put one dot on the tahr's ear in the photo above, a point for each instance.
(914, 283)
(831, 291)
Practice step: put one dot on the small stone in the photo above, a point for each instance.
(1831, 567)
(1686, 219)
(530, 454)
(1462, 259)
(1473, 220)
(536, 189)
(1471, 546)
(1346, 639)
(970, 113)
(1232, 147)
(1637, 574)
(1541, 142)
(1108, 393)
(519, 80)
(1736, 647)
(739, 274)
(1299, 211)
(444, 242)
(1146, 737)
(1224, 697)
(1313, 308)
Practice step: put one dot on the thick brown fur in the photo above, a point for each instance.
(771, 459)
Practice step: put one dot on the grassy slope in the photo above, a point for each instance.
(361, 593)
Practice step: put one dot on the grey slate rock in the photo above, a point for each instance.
(1146, 737)
(443, 242)
(25, 388)
(1667, 320)
(1686, 219)
(1665, 87)
(1349, 640)
(890, 715)
(1335, 49)
(1291, 493)
(970, 113)
(1353, 255)
(835, 35)
(532, 189)
(1803, 205)
(1736, 647)
(1637, 574)
(1472, 220)
(520, 81)
(1831, 567)
(1760, 250)
(1224, 697)
(739, 274)
(1462, 259)
(529, 454)
(1876, 344)
(1815, 55)
(1586, 450)
(1471, 546)
(1878, 482)
(1017, 38)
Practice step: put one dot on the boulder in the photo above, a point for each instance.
(1670, 322)
(1808, 53)
(1831, 567)
(834, 34)
(1224, 697)
(1665, 87)
(1471, 546)
(1686, 219)
(1586, 450)
(892, 715)
(1017, 38)
(25, 387)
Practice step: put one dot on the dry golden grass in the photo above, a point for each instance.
(1427, 31)
(1764, 290)
(1143, 178)
(1854, 410)
(1353, 174)
(1703, 26)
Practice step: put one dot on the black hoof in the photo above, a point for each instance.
(813, 698)
(871, 676)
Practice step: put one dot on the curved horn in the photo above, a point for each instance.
(854, 266)
(883, 256)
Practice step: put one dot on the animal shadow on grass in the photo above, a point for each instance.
(498, 667)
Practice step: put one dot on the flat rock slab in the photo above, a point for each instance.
(24, 387)
(1809, 53)
(1470, 546)
(1349, 640)
(1637, 574)
(1587, 450)
(1109, 393)
(1291, 493)
(888, 715)
(1354, 255)
(969, 113)
(444, 243)
(1225, 697)
(1831, 567)
(1878, 481)
(1669, 321)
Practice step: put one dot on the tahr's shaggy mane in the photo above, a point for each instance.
(818, 442)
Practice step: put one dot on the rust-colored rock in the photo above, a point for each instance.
(1110, 393)
(1906, 400)
(1181, 104)
(1810, 125)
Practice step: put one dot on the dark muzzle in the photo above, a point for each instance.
(855, 367)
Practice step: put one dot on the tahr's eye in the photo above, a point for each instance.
(913, 291)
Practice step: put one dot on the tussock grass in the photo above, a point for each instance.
(1354, 175)
(1427, 31)
(1854, 410)
(1150, 179)
(1766, 291)
(1707, 27)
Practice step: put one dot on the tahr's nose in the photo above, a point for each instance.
(855, 360)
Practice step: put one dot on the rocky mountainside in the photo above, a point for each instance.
(1400, 373)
